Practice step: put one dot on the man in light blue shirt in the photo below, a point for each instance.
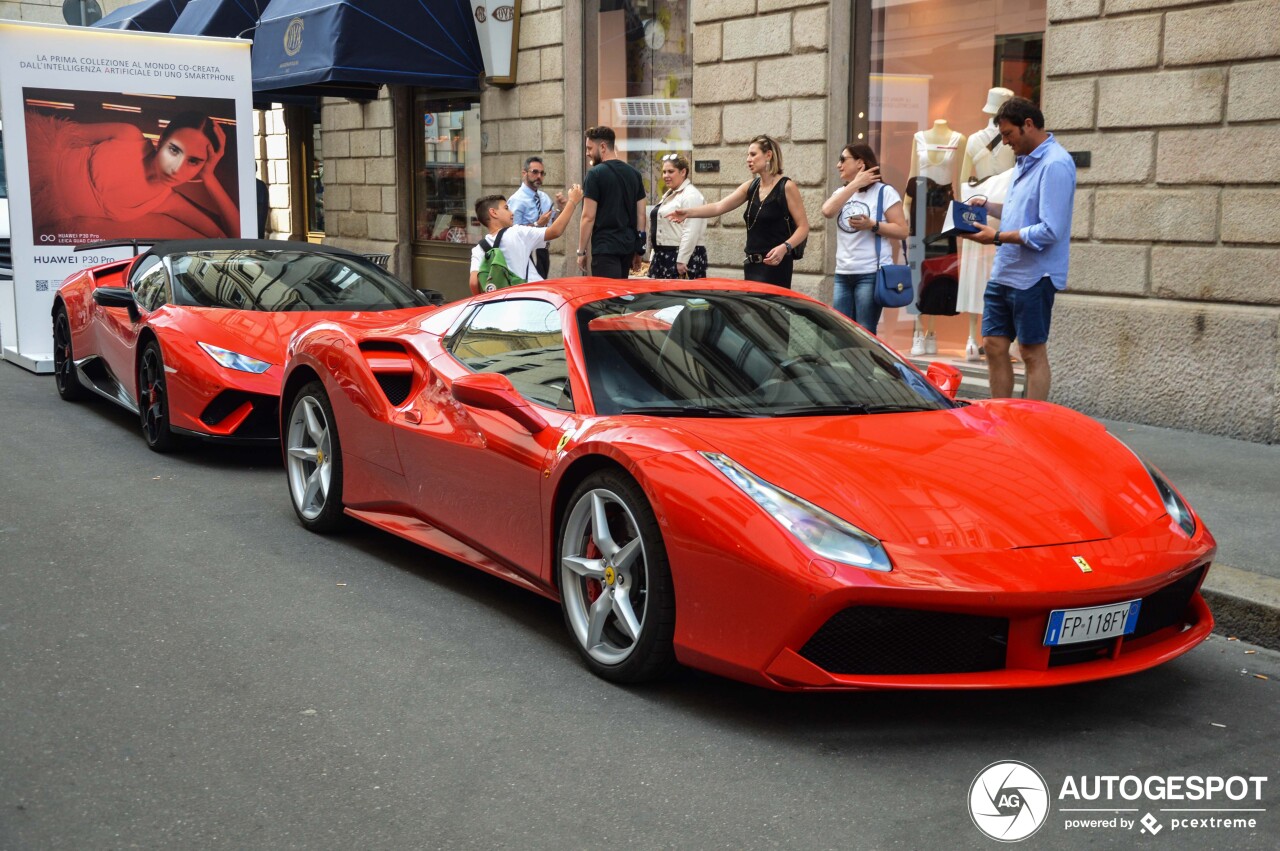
(531, 206)
(1031, 252)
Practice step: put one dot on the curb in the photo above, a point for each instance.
(1245, 605)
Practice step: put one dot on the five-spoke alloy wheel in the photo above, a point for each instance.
(615, 583)
(314, 460)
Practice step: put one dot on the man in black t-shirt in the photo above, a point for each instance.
(612, 212)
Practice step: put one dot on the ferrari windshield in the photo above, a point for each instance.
(732, 354)
(284, 280)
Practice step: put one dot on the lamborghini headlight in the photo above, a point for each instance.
(821, 531)
(235, 360)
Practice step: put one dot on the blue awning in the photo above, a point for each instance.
(153, 16)
(429, 43)
(224, 18)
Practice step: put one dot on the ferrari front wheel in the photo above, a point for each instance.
(64, 364)
(153, 401)
(615, 581)
(313, 457)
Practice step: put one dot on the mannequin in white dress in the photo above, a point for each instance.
(936, 154)
(985, 156)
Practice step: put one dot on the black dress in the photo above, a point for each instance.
(768, 226)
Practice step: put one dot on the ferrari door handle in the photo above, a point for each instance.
(414, 417)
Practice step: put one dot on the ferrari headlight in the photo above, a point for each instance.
(235, 360)
(819, 530)
(1178, 510)
(1174, 504)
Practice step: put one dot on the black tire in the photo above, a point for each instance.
(64, 366)
(153, 401)
(639, 583)
(313, 460)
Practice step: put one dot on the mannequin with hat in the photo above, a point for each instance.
(985, 157)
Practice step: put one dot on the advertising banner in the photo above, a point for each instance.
(115, 135)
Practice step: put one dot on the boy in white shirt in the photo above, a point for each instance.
(518, 241)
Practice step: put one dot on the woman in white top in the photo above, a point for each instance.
(861, 215)
(679, 249)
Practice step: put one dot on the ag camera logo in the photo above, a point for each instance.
(1008, 801)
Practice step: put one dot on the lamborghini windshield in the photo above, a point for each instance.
(734, 354)
(284, 280)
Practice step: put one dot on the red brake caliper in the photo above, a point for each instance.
(594, 587)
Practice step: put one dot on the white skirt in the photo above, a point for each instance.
(975, 271)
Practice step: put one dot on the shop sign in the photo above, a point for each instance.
(498, 29)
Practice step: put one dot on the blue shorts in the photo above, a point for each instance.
(1018, 314)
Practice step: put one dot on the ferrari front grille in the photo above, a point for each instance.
(883, 640)
(1160, 609)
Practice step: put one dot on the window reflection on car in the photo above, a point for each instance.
(284, 281)
(718, 353)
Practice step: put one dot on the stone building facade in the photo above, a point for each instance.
(1172, 316)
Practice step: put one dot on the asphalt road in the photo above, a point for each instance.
(182, 666)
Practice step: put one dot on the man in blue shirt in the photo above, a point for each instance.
(1031, 250)
(531, 206)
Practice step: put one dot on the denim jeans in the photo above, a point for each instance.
(855, 297)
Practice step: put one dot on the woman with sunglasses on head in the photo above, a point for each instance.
(775, 216)
(864, 209)
(679, 249)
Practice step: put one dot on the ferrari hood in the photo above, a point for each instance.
(265, 335)
(991, 475)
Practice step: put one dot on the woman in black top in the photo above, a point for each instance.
(775, 217)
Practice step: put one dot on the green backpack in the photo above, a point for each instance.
(494, 273)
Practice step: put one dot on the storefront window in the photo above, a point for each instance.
(446, 169)
(936, 71)
(644, 81)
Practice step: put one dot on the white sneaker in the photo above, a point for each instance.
(930, 344)
(917, 344)
(971, 353)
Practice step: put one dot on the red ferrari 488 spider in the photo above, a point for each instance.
(738, 478)
(192, 335)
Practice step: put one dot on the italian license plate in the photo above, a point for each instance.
(1071, 626)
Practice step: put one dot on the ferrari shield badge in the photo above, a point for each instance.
(1082, 564)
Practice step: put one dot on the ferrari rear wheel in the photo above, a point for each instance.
(615, 581)
(153, 401)
(64, 364)
(313, 457)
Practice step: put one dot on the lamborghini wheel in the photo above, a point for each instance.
(153, 401)
(313, 457)
(64, 364)
(615, 582)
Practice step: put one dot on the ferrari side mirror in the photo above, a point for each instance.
(491, 391)
(945, 377)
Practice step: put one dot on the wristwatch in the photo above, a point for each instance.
(875, 228)
(581, 253)
(790, 249)
(996, 239)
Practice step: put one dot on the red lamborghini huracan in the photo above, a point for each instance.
(737, 478)
(191, 335)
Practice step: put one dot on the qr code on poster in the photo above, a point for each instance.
(42, 286)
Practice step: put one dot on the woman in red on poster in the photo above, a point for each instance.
(109, 181)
